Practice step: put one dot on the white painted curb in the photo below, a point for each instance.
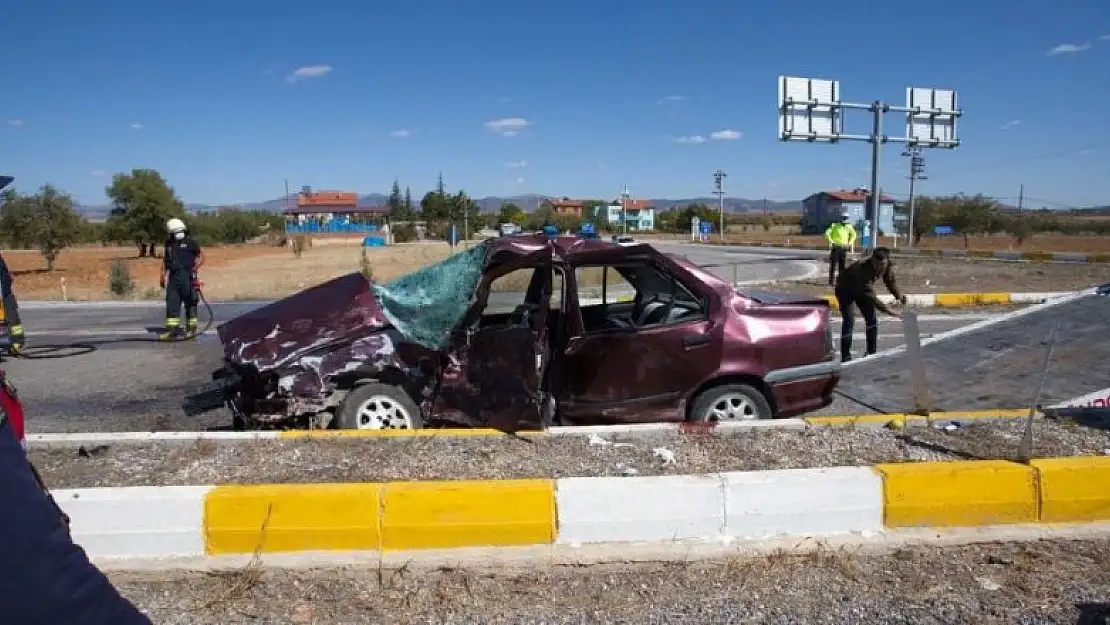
(136, 522)
(633, 429)
(168, 522)
(1097, 399)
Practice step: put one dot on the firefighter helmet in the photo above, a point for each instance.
(175, 225)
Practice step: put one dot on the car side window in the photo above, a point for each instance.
(602, 285)
(646, 296)
(508, 292)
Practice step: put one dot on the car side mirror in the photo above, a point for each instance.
(574, 344)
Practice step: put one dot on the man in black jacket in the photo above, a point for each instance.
(11, 307)
(854, 288)
(46, 578)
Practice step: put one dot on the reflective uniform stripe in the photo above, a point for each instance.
(173, 322)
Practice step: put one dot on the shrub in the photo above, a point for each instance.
(120, 283)
(404, 233)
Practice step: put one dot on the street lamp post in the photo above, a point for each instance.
(624, 209)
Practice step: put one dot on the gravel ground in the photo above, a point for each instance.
(1042, 582)
(928, 275)
(370, 460)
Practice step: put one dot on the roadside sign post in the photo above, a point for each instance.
(694, 228)
(810, 109)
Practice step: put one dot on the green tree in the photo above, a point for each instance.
(407, 206)
(143, 201)
(511, 213)
(396, 203)
(56, 223)
(17, 219)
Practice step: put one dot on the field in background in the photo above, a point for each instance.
(243, 272)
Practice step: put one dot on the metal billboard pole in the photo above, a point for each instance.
(810, 110)
(719, 186)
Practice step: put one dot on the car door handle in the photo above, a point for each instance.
(693, 340)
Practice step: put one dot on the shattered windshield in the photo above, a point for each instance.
(427, 304)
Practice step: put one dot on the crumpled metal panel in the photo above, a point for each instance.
(313, 375)
(281, 332)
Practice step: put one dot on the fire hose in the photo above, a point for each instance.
(55, 351)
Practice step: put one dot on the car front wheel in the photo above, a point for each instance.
(730, 402)
(377, 406)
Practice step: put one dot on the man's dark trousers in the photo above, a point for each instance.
(46, 579)
(179, 290)
(838, 256)
(848, 300)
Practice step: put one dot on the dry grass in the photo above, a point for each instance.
(376, 459)
(1040, 582)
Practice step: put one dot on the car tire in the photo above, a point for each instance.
(741, 401)
(376, 406)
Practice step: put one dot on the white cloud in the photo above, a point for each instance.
(137, 126)
(516, 164)
(671, 99)
(1010, 124)
(400, 134)
(311, 71)
(1104, 38)
(1086, 151)
(726, 135)
(508, 126)
(692, 139)
(98, 173)
(15, 122)
(1069, 48)
(519, 180)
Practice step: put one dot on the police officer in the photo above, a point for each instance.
(180, 261)
(11, 308)
(841, 236)
(47, 579)
(854, 288)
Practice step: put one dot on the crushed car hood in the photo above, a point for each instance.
(328, 313)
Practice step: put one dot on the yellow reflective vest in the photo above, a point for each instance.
(840, 234)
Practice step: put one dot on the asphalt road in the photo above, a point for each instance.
(133, 383)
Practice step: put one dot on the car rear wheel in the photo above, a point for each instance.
(376, 406)
(731, 402)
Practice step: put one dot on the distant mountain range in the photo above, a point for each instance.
(490, 204)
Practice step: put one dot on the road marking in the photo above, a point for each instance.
(934, 317)
(975, 327)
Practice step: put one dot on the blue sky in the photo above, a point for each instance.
(595, 94)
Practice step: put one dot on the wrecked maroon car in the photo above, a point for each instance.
(526, 332)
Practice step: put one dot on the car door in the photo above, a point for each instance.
(639, 373)
(492, 375)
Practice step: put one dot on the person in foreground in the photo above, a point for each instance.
(45, 578)
(854, 288)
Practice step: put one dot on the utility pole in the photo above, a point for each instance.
(624, 209)
(917, 168)
(466, 222)
(719, 184)
(1021, 197)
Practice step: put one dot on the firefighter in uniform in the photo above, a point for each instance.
(11, 308)
(854, 288)
(180, 261)
(841, 236)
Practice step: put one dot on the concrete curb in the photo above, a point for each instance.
(967, 300)
(894, 421)
(240, 520)
(1039, 257)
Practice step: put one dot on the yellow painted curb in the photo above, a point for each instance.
(958, 493)
(897, 420)
(421, 433)
(292, 517)
(958, 300)
(1098, 258)
(831, 299)
(1074, 489)
(967, 415)
(439, 515)
(1037, 256)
